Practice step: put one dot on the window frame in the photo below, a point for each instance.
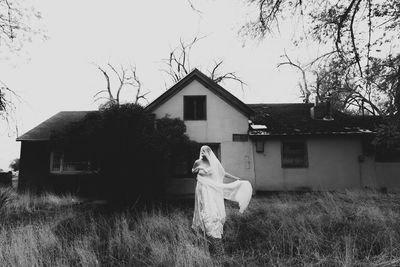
(259, 143)
(211, 145)
(391, 155)
(185, 103)
(62, 171)
(175, 175)
(305, 154)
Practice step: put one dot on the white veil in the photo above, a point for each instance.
(218, 172)
(239, 191)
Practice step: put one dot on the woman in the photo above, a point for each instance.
(209, 209)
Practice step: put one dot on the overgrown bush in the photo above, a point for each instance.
(180, 149)
(132, 155)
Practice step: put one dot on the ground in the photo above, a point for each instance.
(286, 229)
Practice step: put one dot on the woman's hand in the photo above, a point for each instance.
(228, 175)
(198, 169)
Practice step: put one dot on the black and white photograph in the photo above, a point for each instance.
(200, 133)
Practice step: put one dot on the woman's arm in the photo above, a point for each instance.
(197, 167)
(228, 175)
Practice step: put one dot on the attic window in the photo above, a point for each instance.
(294, 154)
(194, 108)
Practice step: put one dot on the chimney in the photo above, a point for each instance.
(317, 112)
(322, 110)
(328, 108)
(328, 111)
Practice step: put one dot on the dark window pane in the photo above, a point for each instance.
(294, 154)
(215, 149)
(56, 162)
(189, 110)
(182, 167)
(200, 108)
(194, 107)
(71, 162)
(387, 154)
(260, 146)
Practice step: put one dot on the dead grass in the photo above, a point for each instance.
(354, 228)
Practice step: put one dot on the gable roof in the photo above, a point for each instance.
(295, 119)
(208, 83)
(57, 122)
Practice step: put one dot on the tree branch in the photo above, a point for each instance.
(353, 41)
(108, 85)
(306, 92)
(341, 22)
(125, 77)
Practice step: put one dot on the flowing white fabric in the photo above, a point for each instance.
(209, 209)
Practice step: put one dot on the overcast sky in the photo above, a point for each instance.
(57, 74)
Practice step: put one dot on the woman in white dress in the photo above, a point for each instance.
(209, 208)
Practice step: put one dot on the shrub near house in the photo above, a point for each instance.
(116, 153)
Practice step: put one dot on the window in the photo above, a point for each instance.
(214, 147)
(240, 137)
(70, 163)
(387, 154)
(194, 108)
(260, 146)
(182, 165)
(294, 154)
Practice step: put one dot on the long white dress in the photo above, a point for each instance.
(209, 208)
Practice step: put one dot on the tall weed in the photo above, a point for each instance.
(353, 228)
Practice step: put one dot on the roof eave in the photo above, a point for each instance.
(312, 134)
(29, 139)
(205, 81)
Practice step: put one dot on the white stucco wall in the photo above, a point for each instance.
(332, 164)
(223, 120)
(389, 175)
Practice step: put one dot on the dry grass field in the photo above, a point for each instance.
(286, 229)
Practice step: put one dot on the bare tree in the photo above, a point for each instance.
(124, 77)
(178, 64)
(303, 86)
(15, 30)
(193, 7)
(356, 31)
(7, 107)
(9, 20)
(218, 76)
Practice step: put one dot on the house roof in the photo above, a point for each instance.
(291, 119)
(57, 122)
(295, 119)
(267, 119)
(208, 83)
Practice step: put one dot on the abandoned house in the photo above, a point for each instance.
(295, 146)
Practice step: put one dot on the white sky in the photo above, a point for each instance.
(58, 75)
